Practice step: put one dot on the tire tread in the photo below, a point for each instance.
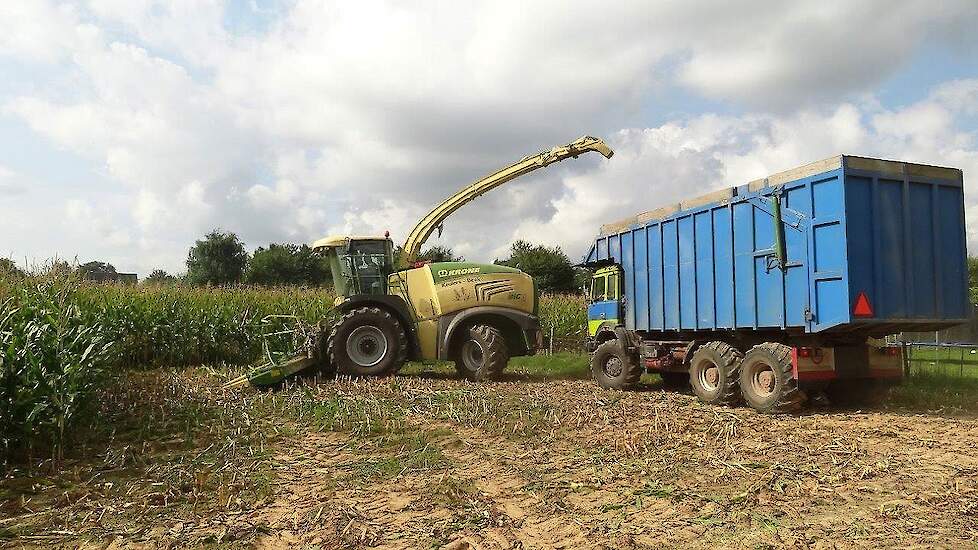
(496, 354)
(792, 398)
(730, 359)
(402, 341)
(632, 369)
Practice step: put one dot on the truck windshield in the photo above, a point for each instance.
(597, 288)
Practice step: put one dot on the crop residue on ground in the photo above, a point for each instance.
(424, 460)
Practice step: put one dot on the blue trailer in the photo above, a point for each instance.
(770, 291)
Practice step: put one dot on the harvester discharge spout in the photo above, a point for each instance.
(436, 218)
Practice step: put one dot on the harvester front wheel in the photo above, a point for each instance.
(713, 373)
(766, 381)
(325, 366)
(483, 354)
(367, 341)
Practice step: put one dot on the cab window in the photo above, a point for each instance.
(597, 289)
(613, 286)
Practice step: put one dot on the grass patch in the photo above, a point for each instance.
(559, 366)
(936, 391)
(361, 415)
(938, 354)
(562, 365)
(412, 453)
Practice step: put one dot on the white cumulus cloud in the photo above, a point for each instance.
(359, 116)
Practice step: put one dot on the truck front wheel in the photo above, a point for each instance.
(614, 369)
(766, 381)
(483, 354)
(713, 373)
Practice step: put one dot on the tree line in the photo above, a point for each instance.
(220, 258)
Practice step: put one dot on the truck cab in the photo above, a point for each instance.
(604, 311)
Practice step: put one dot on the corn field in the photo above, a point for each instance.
(62, 339)
(567, 315)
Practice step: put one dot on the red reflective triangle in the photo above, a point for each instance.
(862, 307)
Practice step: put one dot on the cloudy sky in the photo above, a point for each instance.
(128, 128)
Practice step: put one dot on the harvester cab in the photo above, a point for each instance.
(359, 265)
(477, 315)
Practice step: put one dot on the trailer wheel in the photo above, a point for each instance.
(367, 341)
(766, 381)
(713, 373)
(483, 355)
(612, 368)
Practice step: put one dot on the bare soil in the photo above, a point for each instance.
(427, 461)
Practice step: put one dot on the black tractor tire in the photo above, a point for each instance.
(713, 373)
(325, 367)
(482, 355)
(766, 380)
(613, 368)
(367, 341)
(674, 380)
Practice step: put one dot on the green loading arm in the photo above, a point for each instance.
(421, 232)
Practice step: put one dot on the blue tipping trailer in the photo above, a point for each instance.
(811, 262)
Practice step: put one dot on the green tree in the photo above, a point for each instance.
(9, 267)
(550, 267)
(582, 278)
(217, 259)
(439, 253)
(287, 264)
(98, 271)
(159, 277)
(436, 253)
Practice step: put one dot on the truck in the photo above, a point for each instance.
(783, 288)
(389, 311)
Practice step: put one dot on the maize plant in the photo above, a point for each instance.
(60, 338)
(52, 358)
(567, 314)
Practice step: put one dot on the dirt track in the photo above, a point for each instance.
(653, 469)
(566, 465)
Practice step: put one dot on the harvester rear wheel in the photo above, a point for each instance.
(713, 373)
(367, 341)
(613, 368)
(766, 381)
(483, 354)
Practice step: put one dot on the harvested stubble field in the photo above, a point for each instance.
(541, 460)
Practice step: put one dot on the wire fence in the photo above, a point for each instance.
(943, 359)
(555, 342)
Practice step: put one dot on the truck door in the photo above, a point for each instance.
(605, 300)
